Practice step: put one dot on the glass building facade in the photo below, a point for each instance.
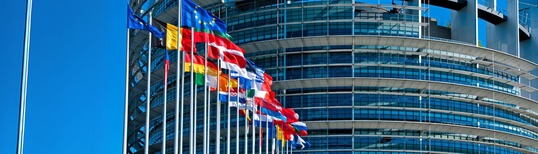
(369, 76)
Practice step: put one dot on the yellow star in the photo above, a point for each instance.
(199, 21)
(196, 17)
(205, 23)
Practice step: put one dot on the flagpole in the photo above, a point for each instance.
(148, 94)
(217, 137)
(209, 106)
(163, 148)
(267, 134)
(246, 131)
(209, 118)
(191, 123)
(237, 122)
(253, 130)
(24, 80)
(126, 108)
(179, 74)
(261, 133)
(205, 100)
(208, 138)
(228, 114)
(182, 98)
(195, 115)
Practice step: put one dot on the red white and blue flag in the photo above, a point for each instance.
(166, 68)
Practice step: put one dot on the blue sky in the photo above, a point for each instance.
(76, 80)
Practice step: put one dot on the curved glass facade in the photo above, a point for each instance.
(302, 45)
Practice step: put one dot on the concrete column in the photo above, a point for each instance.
(465, 23)
(505, 36)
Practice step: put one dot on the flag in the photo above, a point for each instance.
(198, 64)
(223, 83)
(166, 68)
(212, 82)
(209, 37)
(227, 56)
(273, 113)
(250, 93)
(223, 96)
(228, 60)
(244, 112)
(263, 119)
(280, 136)
(171, 37)
(135, 22)
(290, 115)
(299, 142)
(199, 79)
(244, 83)
(258, 72)
(195, 16)
(301, 129)
(161, 26)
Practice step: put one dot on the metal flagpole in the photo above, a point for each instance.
(267, 134)
(209, 119)
(208, 138)
(195, 105)
(165, 101)
(217, 136)
(237, 122)
(246, 131)
(209, 107)
(182, 98)
(179, 74)
(126, 108)
(261, 134)
(191, 113)
(148, 95)
(253, 130)
(228, 114)
(24, 81)
(205, 100)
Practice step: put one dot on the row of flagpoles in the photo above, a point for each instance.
(223, 69)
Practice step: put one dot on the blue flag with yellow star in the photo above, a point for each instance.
(200, 19)
(135, 22)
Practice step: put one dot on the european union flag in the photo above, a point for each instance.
(135, 22)
(194, 16)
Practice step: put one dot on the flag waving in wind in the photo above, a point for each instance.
(166, 67)
(135, 22)
(200, 19)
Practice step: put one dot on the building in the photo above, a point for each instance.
(380, 76)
